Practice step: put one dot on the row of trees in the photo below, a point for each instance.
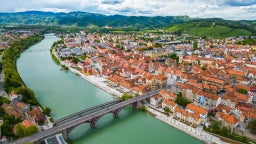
(12, 80)
(216, 128)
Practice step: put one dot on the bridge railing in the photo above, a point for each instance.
(80, 113)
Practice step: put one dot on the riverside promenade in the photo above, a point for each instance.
(97, 81)
(195, 132)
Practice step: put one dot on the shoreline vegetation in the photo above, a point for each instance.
(12, 80)
(14, 83)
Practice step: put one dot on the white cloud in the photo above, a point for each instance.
(227, 9)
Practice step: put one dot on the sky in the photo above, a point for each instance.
(226, 9)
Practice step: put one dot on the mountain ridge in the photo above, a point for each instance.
(85, 19)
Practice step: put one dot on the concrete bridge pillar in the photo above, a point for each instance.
(137, 105)
(116, 112)
(94, 121)
(65, 134)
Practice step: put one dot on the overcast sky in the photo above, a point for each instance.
(227, 9)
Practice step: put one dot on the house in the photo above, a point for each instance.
(36, 115)
(228, 120)
(180, 114)
(192, 119)
(228, 100)
(213, 81)
(12, 111)
(192, 108)
(167, 95)
(22, 106)
(13, 96)
(207, 99)
(155, 100)
(25, 123)
(170, 104)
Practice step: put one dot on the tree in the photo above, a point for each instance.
(47, 111)
(30, 130)
(216, 127)
(182, 101)
(203, 67)
(167, 109)
(143, 108)
(174, 56)
(75, 60)
(4, 100)
(20, 130)
(195, 45)
(252, 126)
(224, 131)
(126, 96)
(242, 91)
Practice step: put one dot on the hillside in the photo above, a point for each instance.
(212, 29)
(83, 19)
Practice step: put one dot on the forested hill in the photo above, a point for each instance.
(84, 19)
(88, 19)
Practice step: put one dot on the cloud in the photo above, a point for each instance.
(227, 9)
(113, 2)
(240, 2)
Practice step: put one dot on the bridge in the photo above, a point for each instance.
(92, 115)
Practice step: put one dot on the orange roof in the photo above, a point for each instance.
(169, 102)
(165, 92)
(27, 123)
(195, 84)
(213, 80)
(197, 109)
(230, 119)
(241, 97)
(240, 86)
(180, 110)
(236, 73)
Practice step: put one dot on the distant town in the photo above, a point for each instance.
(207, 86)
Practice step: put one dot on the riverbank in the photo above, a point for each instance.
(195, 132)
(99, 82)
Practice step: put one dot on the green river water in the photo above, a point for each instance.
(66, 93)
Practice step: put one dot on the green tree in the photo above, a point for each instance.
(126, 96)
(224, 131)
(143, 108)
(182, 101)
(4, 100)
(195, 45)
(167, 109)
(203, 67)
(215, 127)
(20, 130)
(47, 111)
(252, 126)
(173, 56)
(242, 91)
(75, 60)
(30, 130)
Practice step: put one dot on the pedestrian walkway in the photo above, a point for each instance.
(195, 132)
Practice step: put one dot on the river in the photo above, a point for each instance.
(66, 93)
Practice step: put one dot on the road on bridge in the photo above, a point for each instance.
(59, 128)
